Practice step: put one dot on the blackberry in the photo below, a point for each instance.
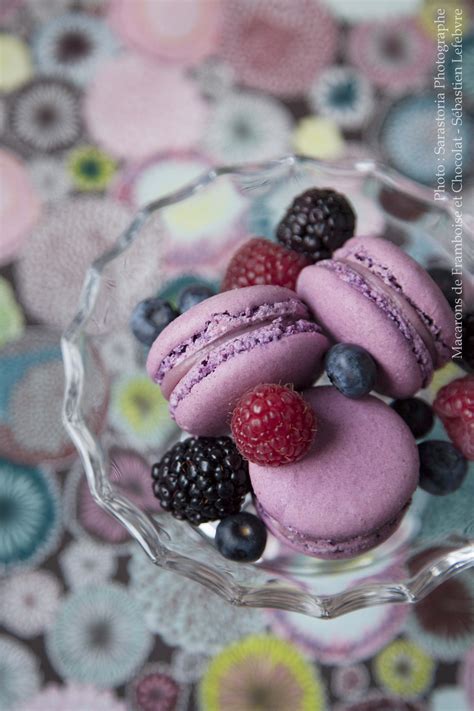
(468, 340)
(201, 479)
(317, 223)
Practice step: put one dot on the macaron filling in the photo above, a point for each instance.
(402, 314)
(409, 313)
(329, 547)
(389, 279)
(260, 335)
(217, 331)
(224, 324)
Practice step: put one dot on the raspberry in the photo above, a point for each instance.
(456, 399)
(454, 405)
(273, 425)
(260, 261)
(317, 223)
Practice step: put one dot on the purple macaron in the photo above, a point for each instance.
(350, 492)
(374, 295)
(217, 350)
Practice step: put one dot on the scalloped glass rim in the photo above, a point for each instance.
(232, 581)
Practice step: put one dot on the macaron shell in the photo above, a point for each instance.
(326, 548)
(415, 282)
(206, 410)
(347, 316)
(194, 320)
(359, 474)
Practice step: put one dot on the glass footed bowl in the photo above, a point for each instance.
(193, 231)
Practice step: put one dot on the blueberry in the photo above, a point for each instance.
(149, 318)
(193, 295)
(442, 467)
(445, 280)
(351, 369)
(416, 413)
(241, 537)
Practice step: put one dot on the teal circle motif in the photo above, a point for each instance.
(29, 514)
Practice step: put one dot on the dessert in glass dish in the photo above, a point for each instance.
(321, 429)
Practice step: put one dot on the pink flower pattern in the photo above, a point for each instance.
(19, 206)
(396, 56)
(177, 31)
(130, 474)
(136, 107)
(74, 697)
(278, 46)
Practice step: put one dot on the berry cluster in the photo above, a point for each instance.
(204, 479)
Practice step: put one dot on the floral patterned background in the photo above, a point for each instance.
(104, 104)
